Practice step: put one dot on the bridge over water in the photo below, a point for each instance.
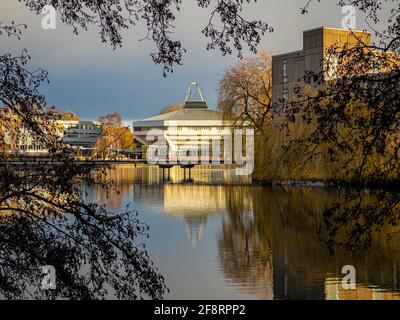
(164, 164)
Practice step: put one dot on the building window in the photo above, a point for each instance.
(285, 71)
(285, 95)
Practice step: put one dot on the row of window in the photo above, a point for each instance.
(137, 129)
(285, 71)
(31, 147)
(200, 128)
(86, 127)
(81, 136)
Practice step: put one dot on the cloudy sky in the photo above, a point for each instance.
(91, 79)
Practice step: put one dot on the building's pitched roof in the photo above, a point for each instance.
(187, 114)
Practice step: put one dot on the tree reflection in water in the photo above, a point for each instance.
(271, 241)
(96, 253)
(351, 222)
(278, 243)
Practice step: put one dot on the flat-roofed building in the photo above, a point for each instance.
(190, 130)
(82, 136)
(20, 139)
(288, 69)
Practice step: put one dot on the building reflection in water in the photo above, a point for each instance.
(193, 205)
(267, 240)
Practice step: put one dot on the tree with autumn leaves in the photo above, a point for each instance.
(115, 139)
(245, 91)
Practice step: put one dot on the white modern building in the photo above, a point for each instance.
(194, 130)
(82, 136)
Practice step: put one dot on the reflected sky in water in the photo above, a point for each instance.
(216, 236)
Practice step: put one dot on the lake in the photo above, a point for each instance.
(217, 236)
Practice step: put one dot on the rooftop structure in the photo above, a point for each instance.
(194, 98)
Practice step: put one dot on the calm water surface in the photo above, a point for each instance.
(218, 237)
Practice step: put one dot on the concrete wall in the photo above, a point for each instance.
(316, 42)
(295, 74)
